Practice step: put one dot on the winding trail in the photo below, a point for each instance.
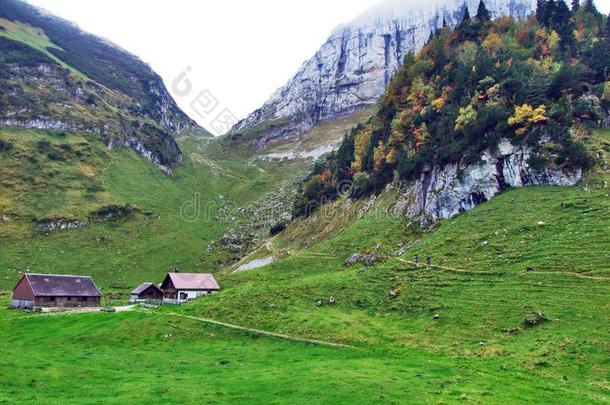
(451, 269)
(262, 332)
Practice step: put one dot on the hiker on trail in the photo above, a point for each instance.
(416, 260)
(429, 261)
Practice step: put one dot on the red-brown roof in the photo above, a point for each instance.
(193, 281)
(51, 285)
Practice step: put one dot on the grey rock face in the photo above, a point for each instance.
(60, 224)
(353, 67)
(140, 148)
(443, 192)
(66, 99)
(46, 123)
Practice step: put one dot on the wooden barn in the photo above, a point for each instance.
(49, 290)
(146, 292)
(183, 287)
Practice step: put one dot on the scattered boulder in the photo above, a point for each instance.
(436, 316)
(535, 319)
(321, 302)
(541, 223)
(393, 293)
(353, 260)
(371, 259)
(57, 224)
(367, 260)
(113, 212)
(229, 239)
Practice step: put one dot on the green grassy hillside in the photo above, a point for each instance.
(453, 333)
(539, 249)
(448, 336)
(48, 175)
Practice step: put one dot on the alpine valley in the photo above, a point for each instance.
(420, 215)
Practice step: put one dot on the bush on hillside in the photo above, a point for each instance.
(277, 229)
(5, 146)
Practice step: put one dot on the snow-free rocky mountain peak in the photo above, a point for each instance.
(353, 67)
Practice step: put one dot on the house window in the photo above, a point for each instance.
(69, 298)
(52, 299)
(183, 296)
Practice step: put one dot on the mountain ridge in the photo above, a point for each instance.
(352, 68)
(82, 82)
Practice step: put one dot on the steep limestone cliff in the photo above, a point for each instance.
(353, 67)
(443, 192)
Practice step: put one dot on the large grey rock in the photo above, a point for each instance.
(353, 67)
(443, 192)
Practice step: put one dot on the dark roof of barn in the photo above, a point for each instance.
(143, 287)
(51, 285)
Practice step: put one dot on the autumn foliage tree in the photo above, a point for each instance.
(526, 116)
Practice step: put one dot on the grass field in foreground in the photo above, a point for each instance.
(154, 358)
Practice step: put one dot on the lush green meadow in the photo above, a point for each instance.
(145, 357)
(455, 333)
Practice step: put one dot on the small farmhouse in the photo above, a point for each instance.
(183, 287)
(146, 292)
(48, 290)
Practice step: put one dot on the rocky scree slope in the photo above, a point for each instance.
(353, 67)
(54, 76)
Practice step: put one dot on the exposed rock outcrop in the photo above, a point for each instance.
(443, 192)
(353, 67)
(141, 149)
(60, 224)
(367, 260)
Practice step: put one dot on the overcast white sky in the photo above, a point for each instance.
(241, 50)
